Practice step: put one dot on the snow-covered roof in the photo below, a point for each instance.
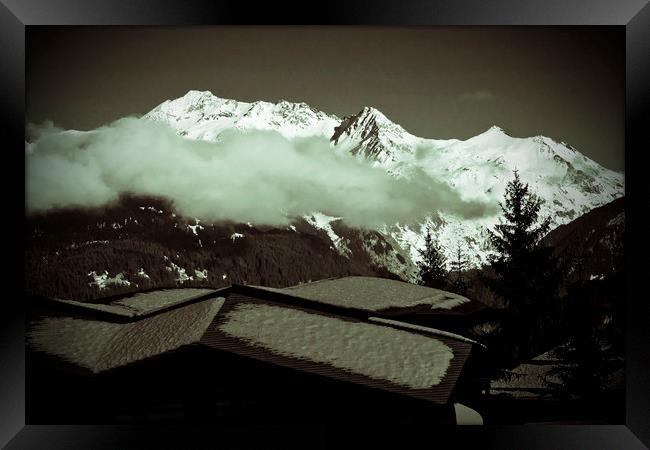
(385, 353)
(98, 345)
(375, 294)
(414, 362)
(427, 330)
(314, 337)
(139, 304)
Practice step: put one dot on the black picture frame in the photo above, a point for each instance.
(17, 15)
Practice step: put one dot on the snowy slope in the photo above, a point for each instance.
(478, 168)
(202, 115)
(323, 222)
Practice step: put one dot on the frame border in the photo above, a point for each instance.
(634, 15)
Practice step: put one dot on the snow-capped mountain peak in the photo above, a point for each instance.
(492, 133)
(202, 115)
(370, 134)
(365, 122)
(495, 136)
(478, 168)
(373, 114)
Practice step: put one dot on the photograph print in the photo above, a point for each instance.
(408, 225)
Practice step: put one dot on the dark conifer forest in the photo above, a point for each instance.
(65, 246)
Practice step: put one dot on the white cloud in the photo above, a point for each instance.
(258, 177)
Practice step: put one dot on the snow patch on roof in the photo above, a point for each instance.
(375, 294)
(150, 301)
(99, 346)
(379, 352)
(428, 330)
(142, 302)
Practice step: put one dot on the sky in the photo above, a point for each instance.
(437, 82)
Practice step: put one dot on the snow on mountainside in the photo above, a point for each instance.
(201, 115)
(323, 222)
(371, 135)
(479, 168)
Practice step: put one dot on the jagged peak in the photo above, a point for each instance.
(371, 116)
(370, 123)
(369, 111)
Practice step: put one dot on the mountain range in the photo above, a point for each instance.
(143, 242)
(478, 168)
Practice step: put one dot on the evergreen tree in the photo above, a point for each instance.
(458, 267)
(525, 271)
(432, 267)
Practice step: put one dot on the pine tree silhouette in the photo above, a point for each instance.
(526, 275)
(432, 267)
(458, 266)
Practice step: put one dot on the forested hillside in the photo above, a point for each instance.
(140, 243)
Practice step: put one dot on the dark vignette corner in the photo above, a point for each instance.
(12, 88)
(12, 31)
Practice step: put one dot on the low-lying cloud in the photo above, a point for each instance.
(258, 177)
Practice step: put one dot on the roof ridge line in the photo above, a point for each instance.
(414, 327)
(91, 309)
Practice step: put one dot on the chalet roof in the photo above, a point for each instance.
(393, 356)
(99, 345)
(136, 305)
(383, 296)
(300, 328)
